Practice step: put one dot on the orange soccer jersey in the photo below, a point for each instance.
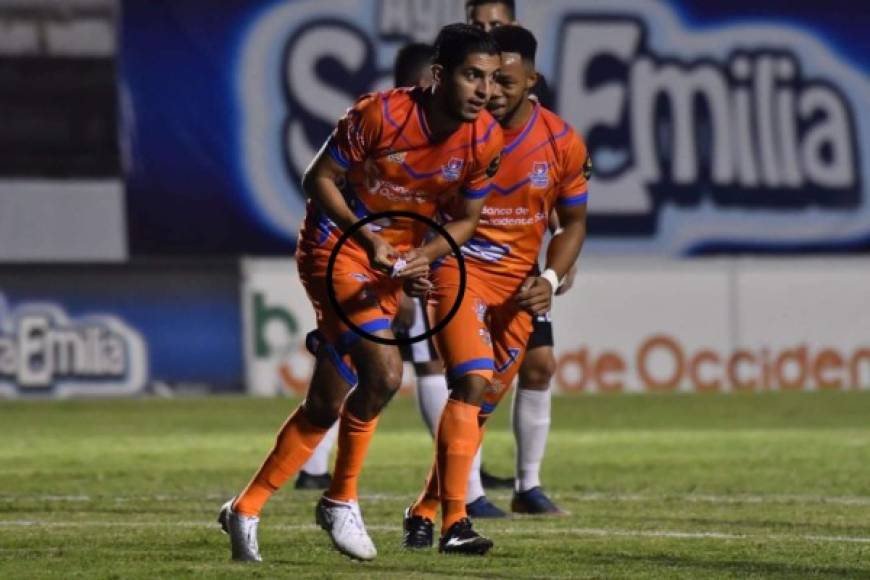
(543, 164)
(392, 163)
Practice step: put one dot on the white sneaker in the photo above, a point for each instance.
(242, 531)
(344, 523)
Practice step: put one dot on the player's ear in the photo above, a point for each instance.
(437, 75)
(531, 78)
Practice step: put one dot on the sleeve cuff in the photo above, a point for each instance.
(336, 155)
(576, 199)
(476, 193)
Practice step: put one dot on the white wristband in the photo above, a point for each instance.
(550, 276)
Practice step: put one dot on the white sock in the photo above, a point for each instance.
(531, 423)
(318, 463)
(431, 399)
(475, 487)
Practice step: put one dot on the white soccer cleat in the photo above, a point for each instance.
(344, 523)
(242, 531)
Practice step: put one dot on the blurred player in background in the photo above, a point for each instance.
(532, 399)
(544, 166)
(405, 149)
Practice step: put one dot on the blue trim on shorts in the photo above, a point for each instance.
(345, 371)
(475, 364)
(350, 337)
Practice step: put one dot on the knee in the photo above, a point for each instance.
(384, 378)
(321, 409)
(469, 389)
(537, 371)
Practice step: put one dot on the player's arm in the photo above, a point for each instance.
(460, 228)
(537, 292)
(568, 280)
(467, 215)
(319, 183)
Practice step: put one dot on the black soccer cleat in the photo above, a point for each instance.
(462, 539)
(491, 481)
(535, 502)
(417, 531)
(310, 481)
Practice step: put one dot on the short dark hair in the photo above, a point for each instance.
(509, 4)
(410, 60)
(517, 39)
(456, 41)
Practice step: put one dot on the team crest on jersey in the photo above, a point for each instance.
(540, 175)
(360, 277)
(397, 156)
(453, 169)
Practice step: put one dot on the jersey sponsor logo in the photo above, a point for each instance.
(485, 250)
(540, 175)
(43, 350)
(453, 169)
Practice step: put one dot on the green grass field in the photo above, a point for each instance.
(763, 486)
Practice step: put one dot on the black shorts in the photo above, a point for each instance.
(542, 332)
(421, 351)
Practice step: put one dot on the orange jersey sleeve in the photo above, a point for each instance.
(576, 168)
(358, 133)
(487, 156)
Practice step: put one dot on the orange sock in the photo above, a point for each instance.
(354, 437)
(458, 438)
(296, 441)
(428, 502)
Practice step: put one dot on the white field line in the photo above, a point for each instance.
(509, 530)
(581, 497)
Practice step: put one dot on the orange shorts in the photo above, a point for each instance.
(369, 299)
(489, 333)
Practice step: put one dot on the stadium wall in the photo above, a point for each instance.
(631, 326)
(714, 127)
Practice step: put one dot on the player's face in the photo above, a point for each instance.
(512, 84)
(469, 86)
(489, 16)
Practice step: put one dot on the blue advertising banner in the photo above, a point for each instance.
(69, 331)
(728, 126)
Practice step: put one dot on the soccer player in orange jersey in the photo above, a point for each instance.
(405, 149)
(544, 166)
(532, 398)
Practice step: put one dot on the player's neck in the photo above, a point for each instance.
(441, 124)
(519, 117)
